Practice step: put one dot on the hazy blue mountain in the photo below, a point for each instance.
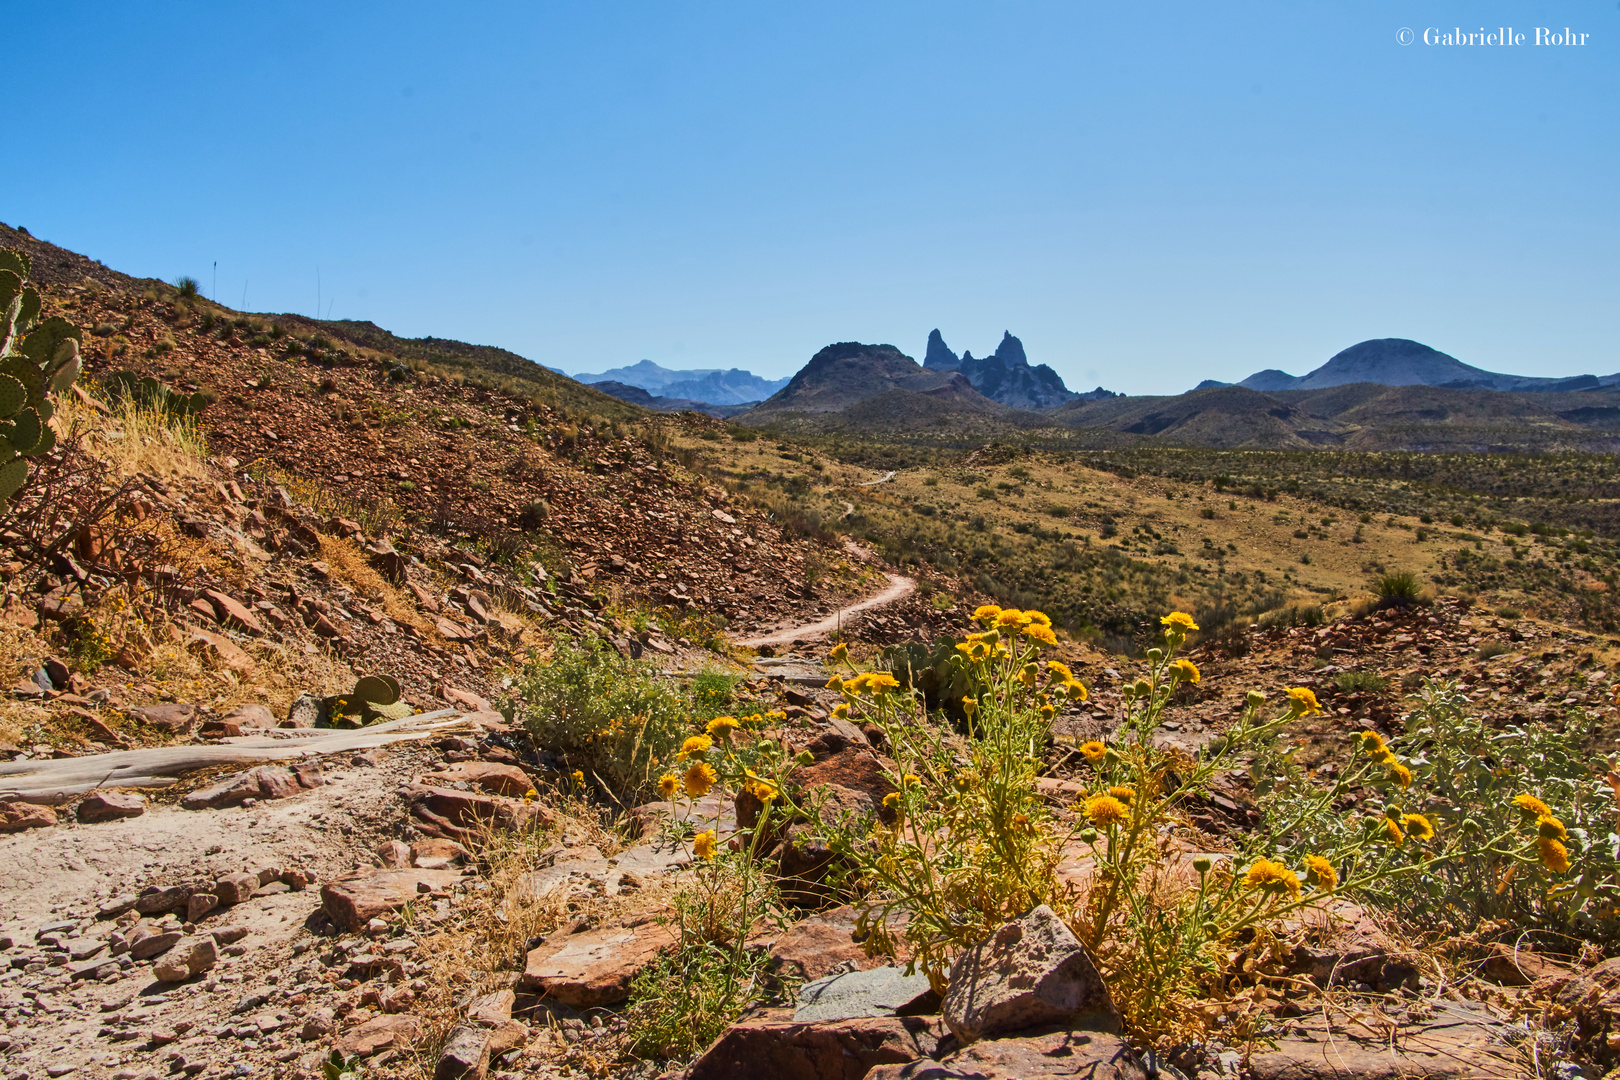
(712, 385)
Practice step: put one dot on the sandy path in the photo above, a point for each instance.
(898, 587)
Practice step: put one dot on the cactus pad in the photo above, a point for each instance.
(13, 395)
(15, 261)
(377, 689)
(25, 431)
(12, 475)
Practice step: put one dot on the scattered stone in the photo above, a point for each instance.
(436, 853)
(884, 991)
(1084, 1055)
(462, 815)
(465, 1055)
(173, 718)
(235, 888)
(110, 806)
(264, 782)
(353, 901)
(497, 779)
(147, 941)
(190, 956)
(199, 905)
(229, 610)
(156, 901)
(307, 712)
(15, 816)
(594, 967)
(390, 1031)
(1461, 1040)
(394, 854)
(819, 946)
(1029, 972)
(250, 716)
(117, 906)
(774, 1046)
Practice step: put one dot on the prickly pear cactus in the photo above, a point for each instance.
(38, 360)
(374, 697)
(940, 674)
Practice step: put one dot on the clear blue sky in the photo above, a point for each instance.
(1148, 194)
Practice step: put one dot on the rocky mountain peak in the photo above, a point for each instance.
(1011, 350)
(939, 357)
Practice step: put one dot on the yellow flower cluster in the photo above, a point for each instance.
(1372, 744)
(1106, 810)
(1268, 875)
(721, 727)
(871, 682)
(1550, 832)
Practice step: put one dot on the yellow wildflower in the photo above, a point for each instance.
(881, 682)
(1418, 827)
(667, 785)
(891, 800)
(696, 746)
(837, 681)
(1039, 617)
(970, 706)
(579, 778)
(699, 779)
(909, 778)
(1178, 622)
(703, 844)
(1393, 830)
(721, 727)
(1303, 701)
(1322, 873)
(1042, 634)
(1124, 793)
(1550, 828)
(1531, 805)
(1399, 773)
(1554, 856)
(530, 795)
(987, 613)
(1268, 875)
(1372, 743)
(763, 790)
(1060, 671)
(1027, 675)
(1010, 617)
(1105, 810)
(1047, 712)
(841, 710)
(1076, 690)
(1093, 750)
(1184, 671)
(839, 652)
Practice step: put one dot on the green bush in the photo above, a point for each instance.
(1360, 682)
(603, 713)
(1397, 590)
(1479, 786)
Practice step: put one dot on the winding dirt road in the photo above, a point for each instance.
(898, 588)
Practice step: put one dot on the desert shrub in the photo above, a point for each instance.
(1292, 615)
(1489, 650)
(1397, 590)
(1498, 830)
(601, 711)
(1360, 682)
(186, 286)
(1509, 613)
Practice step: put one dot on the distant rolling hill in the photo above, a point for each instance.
(1403, 362)
(712, 385)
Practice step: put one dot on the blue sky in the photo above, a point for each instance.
(1147, 194)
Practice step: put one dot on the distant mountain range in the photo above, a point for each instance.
(714, 386)
(635, 395)
(1402, 362)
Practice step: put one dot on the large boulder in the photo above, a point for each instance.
(1030, 972)
(1091, 1055)
(16, 815)
(1460, 1040)
(775, 1046)
(110, 806)
(819, 946)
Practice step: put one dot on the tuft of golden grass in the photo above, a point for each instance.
(136, 440)
(349, 565)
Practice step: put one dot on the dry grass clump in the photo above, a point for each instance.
(349, 565)
(135, 440)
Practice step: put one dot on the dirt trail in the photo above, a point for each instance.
(898, 588)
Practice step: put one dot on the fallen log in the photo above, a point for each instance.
(56, 780)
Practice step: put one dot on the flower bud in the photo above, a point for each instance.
(1088, 836)
(1211, 928)
(1255, 699)
(1393, 811)
(1202, 864)
(1143, 688)
(1155, 655)
(805, 757)
(1469, 825)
